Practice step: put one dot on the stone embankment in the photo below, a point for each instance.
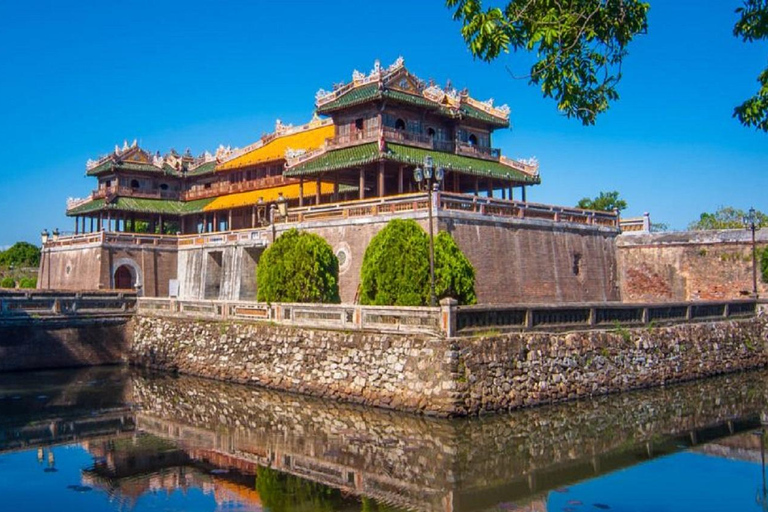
(449, 377)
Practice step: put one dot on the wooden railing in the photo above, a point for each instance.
(524, 210)
(21, 305)
(326, 316)
(101, 237)
(101, 193)
(601, 315)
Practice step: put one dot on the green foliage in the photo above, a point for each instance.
(606, 201)
(578, 44)
(287, 493)
(659, 227)
(753, 26)
(298, 267)
(726, 217)
(395, 268)
(762, 256)
(7, 282)
(21, 254)
(28, 282)
(454, 274)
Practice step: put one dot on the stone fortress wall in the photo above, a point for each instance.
(448, 376)
(517, 260)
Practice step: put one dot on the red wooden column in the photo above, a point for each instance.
(380, 184)
(301, 191)
(336, 186)
(362, 183)
(318, 185)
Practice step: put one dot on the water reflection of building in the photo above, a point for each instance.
(129, 468)
(437, 465)
(244, 446)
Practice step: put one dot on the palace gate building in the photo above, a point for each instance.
(195, 227)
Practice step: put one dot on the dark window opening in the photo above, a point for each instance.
(163, 186)
(576, 264)
(473, 139)
(399, 124)
(359, 123)
(431, 132)
(207, 185)
(134, 183)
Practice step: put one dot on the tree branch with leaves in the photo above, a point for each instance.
(579, 45)
(753, 26)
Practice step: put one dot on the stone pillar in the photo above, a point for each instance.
(215, 222)
(448, 313)
(253, 217)
(362, 183)
(229, 220)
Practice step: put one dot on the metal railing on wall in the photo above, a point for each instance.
(605, 315)
(451, 320)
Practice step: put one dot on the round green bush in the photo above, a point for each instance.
(395, 268)
(28, 282)
(7, 282)
(298, 267)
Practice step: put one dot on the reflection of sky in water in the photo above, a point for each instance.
(25, 486)
(686, 482)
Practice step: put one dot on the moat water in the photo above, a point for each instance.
(103, 439)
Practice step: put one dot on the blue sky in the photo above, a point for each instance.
(79, 77)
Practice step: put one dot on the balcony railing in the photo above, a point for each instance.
(102, 193)
(463, 148)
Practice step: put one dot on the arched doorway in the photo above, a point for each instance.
(124, 278)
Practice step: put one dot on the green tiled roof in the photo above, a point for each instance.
(480, 115)
(352, 97)
(134, 204)
(412, 99)
(459, 163)
(109, 165)
(367, 153)
(202, 169)
(337, 159)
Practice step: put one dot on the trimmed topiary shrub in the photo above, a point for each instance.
(298, 267)
(395, 268)
(28, 282)
(454, 274)
(7, 282)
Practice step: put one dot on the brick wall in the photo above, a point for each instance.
(699, 265)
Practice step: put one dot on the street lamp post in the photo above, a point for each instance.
(430, 177)
(751, 223)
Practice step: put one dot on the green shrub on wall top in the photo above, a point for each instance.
(28, 282)
(763, 257)
(7, 282)
(395, 268)
(298, 267)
